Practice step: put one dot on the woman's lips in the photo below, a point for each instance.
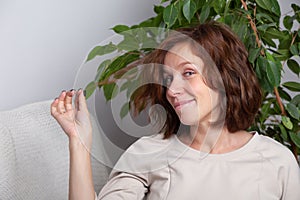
(180, 104)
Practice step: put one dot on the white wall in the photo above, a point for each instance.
(43, 43)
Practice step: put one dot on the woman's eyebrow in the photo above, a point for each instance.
(169, 70)
(185, 63)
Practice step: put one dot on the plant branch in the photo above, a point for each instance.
(106, 82)
(279, 101)
(253, 26)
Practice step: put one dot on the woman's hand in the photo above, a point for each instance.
(74, 119)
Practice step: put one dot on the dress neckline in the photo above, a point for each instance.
(242, 150)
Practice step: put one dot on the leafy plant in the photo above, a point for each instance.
(256, 22)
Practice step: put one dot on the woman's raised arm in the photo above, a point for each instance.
(75, 121)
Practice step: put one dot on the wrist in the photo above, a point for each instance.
(75, 143)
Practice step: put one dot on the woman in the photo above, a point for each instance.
(210, 95)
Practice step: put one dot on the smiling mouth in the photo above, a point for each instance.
(179, 105)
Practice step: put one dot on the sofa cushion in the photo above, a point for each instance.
(34, 155)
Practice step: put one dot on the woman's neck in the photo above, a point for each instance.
(215, 139)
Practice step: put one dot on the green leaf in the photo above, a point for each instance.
(240, 28)
(124, 110)
(218, 5)
(120, 28)
(101, 50)
(294, 49)
(158, 9)
(101, 68)
(295, 138)
(90, 88)
(270, 5)
(269, 41)
(285, 43)
(282, 54)
(262, 62)
(170, 15)
(291, 85)
(129, 43)
(288, 22)
(265, 18)
(287, 122)
(149, 43)
(296, 100)
(266, 85)
(295, 7)
(265, 108)
(293, 110)
(260, 65)
(227, 8)
(119, 63)
(180, 17)
(152, 22)
(125, 86)
(264, 27)
(275, 33)
(189, 9)
(293, 66)
(283, 132)
(283, 94)
(253, 54)
(274, 73)
(110, 91)
(204, 13)
(273, 70)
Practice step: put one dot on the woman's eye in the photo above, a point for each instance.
(188, 73)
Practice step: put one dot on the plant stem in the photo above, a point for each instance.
(253, 26)
(278, 99)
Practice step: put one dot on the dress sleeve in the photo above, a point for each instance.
(124, 186)
(290, 178)
(131, 177)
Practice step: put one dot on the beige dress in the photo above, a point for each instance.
(154, 169)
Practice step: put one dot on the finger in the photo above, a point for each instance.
(54, 107)
(77, 99)
(68, 100)
(81, 100)
(61, 103)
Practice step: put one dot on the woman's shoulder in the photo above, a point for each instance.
(145, 155)
(147, 144)
(274, 151)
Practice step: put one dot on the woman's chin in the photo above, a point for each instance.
(190, 120)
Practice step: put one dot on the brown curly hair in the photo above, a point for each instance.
(242, 91)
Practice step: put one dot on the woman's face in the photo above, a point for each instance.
(191, 98)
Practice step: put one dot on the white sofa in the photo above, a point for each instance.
(34, 155)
